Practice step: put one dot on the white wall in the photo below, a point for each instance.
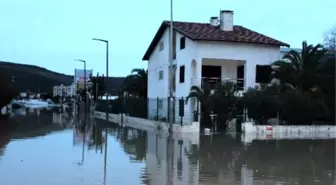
(159, 60)
(184, 57)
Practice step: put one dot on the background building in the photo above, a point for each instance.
(62, 90)
(79, 78)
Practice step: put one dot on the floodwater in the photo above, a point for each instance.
(48, 148)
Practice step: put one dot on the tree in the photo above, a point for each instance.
(327, 84)
(98, 84)
(262, 102)
(203, 97)
(308, 74)
(303, 72)
(224, 100)
(220, 101)
(330, 39)
(300, 71)
(136, 82)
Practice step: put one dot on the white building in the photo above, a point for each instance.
(210, 52)
(62, 90)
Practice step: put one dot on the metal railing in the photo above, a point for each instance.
(215, 81)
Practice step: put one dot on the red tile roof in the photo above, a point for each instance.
(207, 32)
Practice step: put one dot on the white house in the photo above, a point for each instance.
(210, 52)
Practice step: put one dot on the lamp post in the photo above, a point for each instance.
(107, 63)
(107, 60)
(85, 89)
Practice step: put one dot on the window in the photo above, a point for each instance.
(161, 46)
(182, 43)
(160, 75)
(160, 104)
(182, 74)
(263, 73)
(174, 45)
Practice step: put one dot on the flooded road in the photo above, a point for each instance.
(48, 148)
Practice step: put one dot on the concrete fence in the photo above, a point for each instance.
(268, 132)
(148, 125)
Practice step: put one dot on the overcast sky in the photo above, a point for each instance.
(51, 33)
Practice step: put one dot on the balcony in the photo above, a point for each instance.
(213, 82)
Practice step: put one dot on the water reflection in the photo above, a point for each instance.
(57, 148)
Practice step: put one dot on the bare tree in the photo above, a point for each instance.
(330, 39)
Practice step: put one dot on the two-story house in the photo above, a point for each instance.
(211, 52)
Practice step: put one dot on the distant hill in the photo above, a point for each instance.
(37, 79)
(33, 78)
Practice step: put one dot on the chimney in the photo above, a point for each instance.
(226, 20)
(214, 21)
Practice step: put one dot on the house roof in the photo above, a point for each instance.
(207, 32)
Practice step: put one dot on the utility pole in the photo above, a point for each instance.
(171, 101)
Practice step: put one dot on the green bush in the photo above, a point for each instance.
(295, 108)
(262, 103)
(299, 109)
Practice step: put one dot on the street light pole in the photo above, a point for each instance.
(85, 89)
(107, 61)
(107, 64)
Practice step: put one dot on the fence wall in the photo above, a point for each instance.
(158, 110)
(148, 108)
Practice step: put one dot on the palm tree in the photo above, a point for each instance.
(224, 102)
(203, 97)
(136, 82)
(303, 72)
(300, 71)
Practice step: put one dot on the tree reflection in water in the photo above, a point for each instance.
(132, 141)
(285, 160)
(6, 128)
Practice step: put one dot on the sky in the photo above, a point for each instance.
(52, 33)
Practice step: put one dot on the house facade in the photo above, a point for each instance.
(206, 52)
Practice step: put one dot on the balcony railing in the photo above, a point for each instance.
(213, 82)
